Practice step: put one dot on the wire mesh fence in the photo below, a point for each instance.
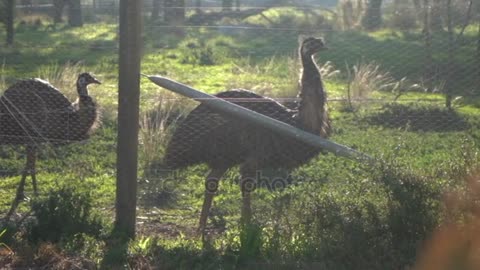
(400, 74)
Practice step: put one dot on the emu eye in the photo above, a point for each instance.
(81, 80)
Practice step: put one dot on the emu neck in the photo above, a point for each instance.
(82, 90)
(310, 73)
(312, 112)
(86, 112)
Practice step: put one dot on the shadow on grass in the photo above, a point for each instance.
(418, 118)
(116, 250)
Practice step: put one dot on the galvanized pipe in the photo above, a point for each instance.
(260, 119)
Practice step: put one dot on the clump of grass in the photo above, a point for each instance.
(3, 82)
(50, 256)
(63, 214)
(204, 53)
(156, 127)
(63, 77)
(366, 78)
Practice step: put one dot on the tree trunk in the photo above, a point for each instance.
(9, 21)
(75, 13)
(418, 9)
(372, 18)
(428, 71)
(227, 5)
(436, 23)
(478, 55)
(451, 47)
(198, 6)
(237, 5)
(58, 6)
(174, 12)
(156, 9)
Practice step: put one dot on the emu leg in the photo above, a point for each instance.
(31, 160)
(248, 183)
(28, 170)
(20, 192)
(211, 186)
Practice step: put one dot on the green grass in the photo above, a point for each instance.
(334, 208)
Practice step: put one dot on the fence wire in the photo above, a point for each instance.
(391, 80)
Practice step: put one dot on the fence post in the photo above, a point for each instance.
(128, 110)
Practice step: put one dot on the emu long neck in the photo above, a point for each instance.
(86, 111)
(312, 111)
(82, 89)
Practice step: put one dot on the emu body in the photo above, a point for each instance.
(222, 142)
(33, 112)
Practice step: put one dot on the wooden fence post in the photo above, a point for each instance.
(128, 111)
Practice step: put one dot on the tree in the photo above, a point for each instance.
(478, 49)
(237, 5)
(418, 9)
(227, 5)
(8, 18)
(58, 6)
(450, 55)
(174, 12)
(156, 9)
(198, 6)
(372, 17)
(428, 71)
(75, 13)
(436, 23)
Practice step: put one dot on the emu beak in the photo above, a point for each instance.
(96, 81)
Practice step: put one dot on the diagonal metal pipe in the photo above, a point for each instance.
(260, 119)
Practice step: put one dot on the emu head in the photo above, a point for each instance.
(83, 81)
(311, 45)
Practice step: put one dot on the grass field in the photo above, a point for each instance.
(336, 214)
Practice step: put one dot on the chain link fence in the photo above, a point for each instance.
(384, 77)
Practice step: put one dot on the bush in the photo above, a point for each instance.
(62, 215)
(203, 53)
(375, 219)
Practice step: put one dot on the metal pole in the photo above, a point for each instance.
(260, 119)
(128, 111)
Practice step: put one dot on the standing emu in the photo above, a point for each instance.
(33, 112)
(207, 136)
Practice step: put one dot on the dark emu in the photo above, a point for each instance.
(33, 112)
(222, 142)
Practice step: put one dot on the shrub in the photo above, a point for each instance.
(374, 219)
(199, 52)
(63, 214)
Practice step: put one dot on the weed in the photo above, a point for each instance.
(156, 126)
(63, 214)
(9, 250)
(199, 52)
(63, 77)
(365, 78)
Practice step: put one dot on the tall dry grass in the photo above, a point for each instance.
(157, 125)
(63, 77)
